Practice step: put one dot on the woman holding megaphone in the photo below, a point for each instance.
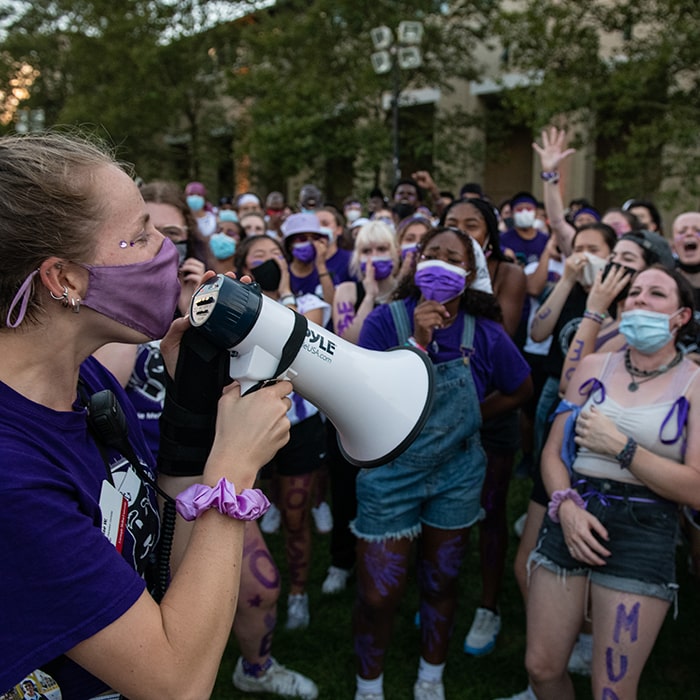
(433, 489)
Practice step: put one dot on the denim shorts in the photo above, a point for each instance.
(394, 500)
(642, 539)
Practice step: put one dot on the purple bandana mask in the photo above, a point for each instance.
(440, 281)
(383, 267)
(142, 296)
(304, 252)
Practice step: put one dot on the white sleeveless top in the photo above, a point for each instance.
(642, 422)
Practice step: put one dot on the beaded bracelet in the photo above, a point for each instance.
(594, 316)
(550, 176)
(249, 504)
(414, 343)
(558, 497)
(626, 454)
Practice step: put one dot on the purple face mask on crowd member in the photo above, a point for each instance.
(383, 267)
(407, 248)
(142, 296)
(304, 252)
(440, 281)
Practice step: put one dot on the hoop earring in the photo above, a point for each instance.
(63, 298)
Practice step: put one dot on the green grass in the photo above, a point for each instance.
(324, 651)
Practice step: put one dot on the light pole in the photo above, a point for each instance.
(394, 56)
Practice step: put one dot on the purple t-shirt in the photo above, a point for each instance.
(526, 251)
(496, 363)
(337, 265)
(62, 579)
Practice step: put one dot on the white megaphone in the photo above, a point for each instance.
(378, 401)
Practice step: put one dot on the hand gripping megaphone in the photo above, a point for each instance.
(378, 401)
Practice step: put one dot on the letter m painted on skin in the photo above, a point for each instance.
(630, 622)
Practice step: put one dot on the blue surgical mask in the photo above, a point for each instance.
(195, 202)
(646, 331)
(228, 215)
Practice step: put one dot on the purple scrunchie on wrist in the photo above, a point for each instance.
(558, 497)
(249, 504)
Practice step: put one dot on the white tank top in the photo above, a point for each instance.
(641, 422)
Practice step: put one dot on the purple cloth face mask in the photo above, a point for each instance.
(304, 252)
(407, 248)
(383, 267)
(440, 281)
(142, 296)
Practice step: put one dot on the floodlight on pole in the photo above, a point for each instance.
(410, 33)
(382, 38)
(388, 56)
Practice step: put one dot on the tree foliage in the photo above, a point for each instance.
(139, 72)
(180, 86)
(623, 75)
(313, 97)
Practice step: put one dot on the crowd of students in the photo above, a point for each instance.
(564, 336)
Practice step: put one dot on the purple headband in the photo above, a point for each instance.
(587, 210)
(523, 198)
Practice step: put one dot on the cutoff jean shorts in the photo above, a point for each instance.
(642, 529)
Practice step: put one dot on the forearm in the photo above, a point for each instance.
(555, 476)
(350, 324)
(550, 310)
(675, 482)
(554, 206)
(174, 649)
(537, 280)
(583, 344)
(327, 285)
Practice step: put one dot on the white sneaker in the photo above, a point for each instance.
(527, 694)
(483, 633)
(336, 580)
(297, 611)
(368, 696)
(581, 658)
(277, 680)
(323, 518)
(428, 690)
(519, 525)
(271, 521)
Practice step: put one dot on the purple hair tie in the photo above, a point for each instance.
(249, 504)
(22, 298)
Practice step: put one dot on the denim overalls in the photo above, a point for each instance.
(438, 479)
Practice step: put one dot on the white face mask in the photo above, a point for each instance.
(590, 269)
(540, 225)
(353, 215)
(524, 218)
